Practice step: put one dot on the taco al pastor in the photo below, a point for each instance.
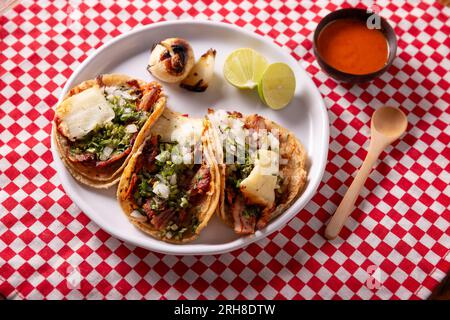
(101, 122)
(170, 187)
(262, 167)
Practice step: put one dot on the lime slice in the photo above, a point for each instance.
(277, 86)
(244, 67)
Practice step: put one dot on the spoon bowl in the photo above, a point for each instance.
(390, 122)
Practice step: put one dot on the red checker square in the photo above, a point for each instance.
(255, 265)
(403, 248)
(83, 219)
(28, 219)
(26, 270)
(6, 271)
(295, 283)
(200, 267)
(408, 200)
(182, 285)
(27, 236)
(275, 266)
(292, 265)
(9, 220)
(440, 249)
(407, 266)
(435, 232)
(7, 237)
(219, 284)
(291, 248)
(201, 284)
(46, 253)
(123, 287)
(103, 251)
(331, 265)
(272, 248)
(84, 235)
(277, 283)
(380, 231)
(25, 288)
(103, 268)
(6, 289)
(7, 253)
(411, 284)
(444, 199)
(85, 251)
(11, 188)
(143, 287)
(384, 249)
(335, 284)
(180, 268)
(104, 287)
(143, 268)
(63, 287)
(65, 251)
(365, 249)
(161, 268)
(162, 286)
(66, 235)
(315, 283)
(307, 232)
(312, 265)
(122, 251)
(361, 231)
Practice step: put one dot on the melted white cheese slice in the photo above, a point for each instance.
(81, 113)
(173, 127)
(259, 186)
(188, 132)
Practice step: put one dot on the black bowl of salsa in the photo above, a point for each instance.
(354, 45)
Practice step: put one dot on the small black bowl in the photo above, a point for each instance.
(363, 15)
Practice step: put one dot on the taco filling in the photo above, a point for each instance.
(254, 183)
(101, 123)
(166, 186)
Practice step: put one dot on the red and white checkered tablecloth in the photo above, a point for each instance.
(395, 245)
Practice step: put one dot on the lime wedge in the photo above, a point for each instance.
(244, 67)
(277, 86)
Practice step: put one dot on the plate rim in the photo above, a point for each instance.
(208, 249)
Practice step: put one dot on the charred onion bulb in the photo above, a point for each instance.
(171, 60)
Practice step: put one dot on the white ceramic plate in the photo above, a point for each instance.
(306, 116)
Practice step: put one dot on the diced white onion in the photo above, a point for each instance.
(138, 216)
(110, 90)
(187, 158)
(161, 190)
(131, 128)
(173, 179)
(163, 156)
(106, 153)
(177, 159)
(125, 95)
(273, 141)
(113, 91)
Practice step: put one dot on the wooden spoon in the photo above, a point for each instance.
(387, 125)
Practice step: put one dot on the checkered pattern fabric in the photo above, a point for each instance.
(394, 246)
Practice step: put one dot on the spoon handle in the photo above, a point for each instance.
(346, 206)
